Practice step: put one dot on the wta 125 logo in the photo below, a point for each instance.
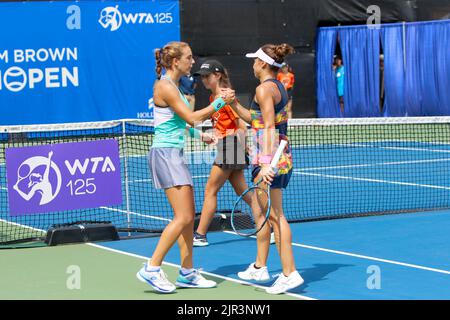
(31, 181)
(112, 18)
(63, 176)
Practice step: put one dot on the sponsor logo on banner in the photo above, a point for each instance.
(62, 177)
(36, 182)
(112, 18)
(147, 114)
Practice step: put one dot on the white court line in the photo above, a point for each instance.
(149, 180)
(395, 148)
(374, 164)
(409, 265)
(203, 272)
(136, 214)
(138, 181)
(187, 153)
(22, 225)
(202, 176)
(372, 180)
(415, 266)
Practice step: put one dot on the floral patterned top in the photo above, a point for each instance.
(281, 126)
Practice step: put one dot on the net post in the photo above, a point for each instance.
(127, 194)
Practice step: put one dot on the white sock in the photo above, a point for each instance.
(186, 271)
(150, 268)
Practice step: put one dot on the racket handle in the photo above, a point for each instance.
(278, 153)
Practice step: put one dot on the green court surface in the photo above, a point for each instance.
(51, 273)
(10, 232)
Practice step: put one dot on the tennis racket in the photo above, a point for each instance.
(248, 220)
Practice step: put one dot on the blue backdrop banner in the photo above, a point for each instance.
(81, 61)
(362, 73)
(415, 76)
(428, 68)
(327, 98)
(394, 71)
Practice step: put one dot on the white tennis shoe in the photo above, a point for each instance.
(261, 274)
(194, 280)
(200, 240)
(157, 279)
(283, 283)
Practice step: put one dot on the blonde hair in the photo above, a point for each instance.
(164, 56)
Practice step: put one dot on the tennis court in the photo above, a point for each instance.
(364, 171)
(336, 259)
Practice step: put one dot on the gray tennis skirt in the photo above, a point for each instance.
(168, 168)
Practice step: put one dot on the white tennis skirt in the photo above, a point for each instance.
(168, 168)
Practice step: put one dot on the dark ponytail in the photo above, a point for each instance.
(277, 52)
(225, 81)
(282, 50)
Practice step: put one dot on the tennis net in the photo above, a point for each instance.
(342, 168)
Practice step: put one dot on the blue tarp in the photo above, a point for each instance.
(416, 70)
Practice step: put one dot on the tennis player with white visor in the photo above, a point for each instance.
(268, 118)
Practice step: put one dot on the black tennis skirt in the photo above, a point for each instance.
(231, 154)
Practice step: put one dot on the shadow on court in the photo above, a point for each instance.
(240, 239)
(319, 272)
(230, 270)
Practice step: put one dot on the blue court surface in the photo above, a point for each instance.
(384, 257)
(399, 256)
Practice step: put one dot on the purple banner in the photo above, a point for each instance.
(63, 176)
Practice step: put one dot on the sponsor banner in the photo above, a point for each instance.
(65, 176)
(81, 61)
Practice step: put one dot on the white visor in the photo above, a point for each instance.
(264, 57)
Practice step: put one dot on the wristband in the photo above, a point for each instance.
(218, 104)
(267, 159)
(194, 133)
